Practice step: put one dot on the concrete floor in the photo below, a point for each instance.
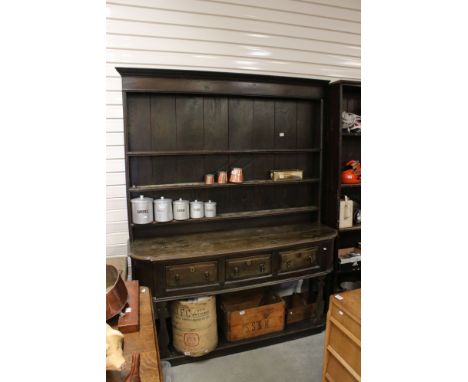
(296, 361)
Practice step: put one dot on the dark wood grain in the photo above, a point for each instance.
(215, 120)
(240, 123)
(163, 122)
(263, 124)
(138, 124)
(189, 123)
(285, 123)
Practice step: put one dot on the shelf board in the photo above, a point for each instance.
(296, 330)
(346, 185)
(353, 228)
(237, 215)
(198, 185)
(220, 152)
(350, 135)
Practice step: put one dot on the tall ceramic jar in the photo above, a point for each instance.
(196, 210)
(163, 210)
(142, 210)
(181, 209)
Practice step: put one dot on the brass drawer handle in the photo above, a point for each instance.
(262, 268)
(311, 258)
(248, 263)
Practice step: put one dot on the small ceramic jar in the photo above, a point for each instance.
(210, 209)
(163, 210)
(142, 210)
(196, 210)
(181, 209)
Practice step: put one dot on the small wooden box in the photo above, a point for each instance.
(297, 309)
(279, 175)
(256, 320)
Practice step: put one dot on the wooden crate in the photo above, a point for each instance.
(298, 309)
(266, 316)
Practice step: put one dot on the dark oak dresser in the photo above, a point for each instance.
(181, 125)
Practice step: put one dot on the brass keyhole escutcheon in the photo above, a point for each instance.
(288, 264)
(192, 269)
(177, 277)
(207, 275)
(236, 270)
(262, 268)
(249, 263)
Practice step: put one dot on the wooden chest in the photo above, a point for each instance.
(256, 316)
(342, 350)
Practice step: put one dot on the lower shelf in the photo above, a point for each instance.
(293, 331)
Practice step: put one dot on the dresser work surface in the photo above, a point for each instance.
(226, 242)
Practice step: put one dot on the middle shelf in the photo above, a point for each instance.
(201, 185)
(237, 215)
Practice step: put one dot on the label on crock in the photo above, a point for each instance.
(142, 211)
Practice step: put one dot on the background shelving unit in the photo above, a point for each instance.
(340, 147)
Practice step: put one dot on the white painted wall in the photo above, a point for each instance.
(316, 39)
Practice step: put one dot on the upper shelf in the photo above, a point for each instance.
(198, 185)
(220, 152)
(236, 216)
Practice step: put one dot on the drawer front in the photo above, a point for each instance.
(336, 372)
(343, 318)
(247, 267)
(300, 259)
(178, 276)
(345, 347)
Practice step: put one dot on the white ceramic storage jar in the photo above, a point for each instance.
(196, 210)
(163, 210)
(142, 210)
(210, 209)
(181, 209)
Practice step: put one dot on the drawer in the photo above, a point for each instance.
(344, 319)
(247, 267)
(343, 345)
(178, 276)
(299, 259)
(336, 372)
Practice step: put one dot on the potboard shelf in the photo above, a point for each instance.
(224, 347)
(198, 185)
(220, 152)
(237, 215)
(351, 135)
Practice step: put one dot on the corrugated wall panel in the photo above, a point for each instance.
(298, 38)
